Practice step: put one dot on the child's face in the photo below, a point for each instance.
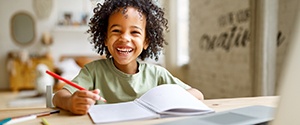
(126, 35)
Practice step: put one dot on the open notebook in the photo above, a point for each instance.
(161, 101)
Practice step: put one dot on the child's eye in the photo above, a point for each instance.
(135, 32)
(116, 31)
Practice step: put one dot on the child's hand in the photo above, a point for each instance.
(81, 101)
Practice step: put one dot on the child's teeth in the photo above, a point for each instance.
(124, 49)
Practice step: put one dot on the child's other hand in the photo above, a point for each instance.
(81, 101)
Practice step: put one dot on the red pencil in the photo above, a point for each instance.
(69, 82)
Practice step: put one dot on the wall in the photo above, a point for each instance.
(221, 49)
(65, 42)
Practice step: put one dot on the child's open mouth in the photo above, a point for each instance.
(124, 50)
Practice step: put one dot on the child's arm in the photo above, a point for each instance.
(78, 103)
(196, 93)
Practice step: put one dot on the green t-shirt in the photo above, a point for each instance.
(117, 86)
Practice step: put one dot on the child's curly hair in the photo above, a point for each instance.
(155, 25)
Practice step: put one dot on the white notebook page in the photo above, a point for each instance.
(106, 113)
(166, 97)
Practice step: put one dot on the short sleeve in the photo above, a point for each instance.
(83, 79)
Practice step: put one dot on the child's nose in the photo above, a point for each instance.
(125, 37)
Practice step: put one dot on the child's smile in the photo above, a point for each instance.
(124, 50)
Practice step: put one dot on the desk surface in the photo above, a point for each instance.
(65, 117)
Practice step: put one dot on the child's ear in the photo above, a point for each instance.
(105, 42)
(146, 44)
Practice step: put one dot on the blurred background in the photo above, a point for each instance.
(225, 48)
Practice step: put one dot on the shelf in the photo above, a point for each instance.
(71, 28)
